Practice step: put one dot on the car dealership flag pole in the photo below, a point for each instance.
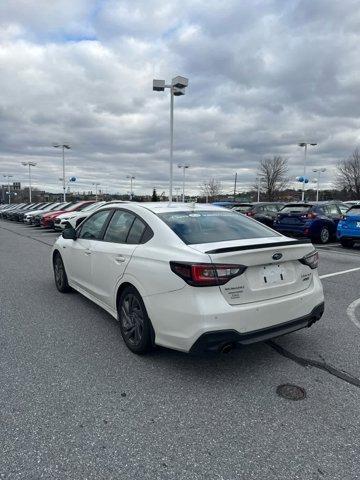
(305, 145)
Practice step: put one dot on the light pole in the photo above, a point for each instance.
(63, 146)
(131, 177)
(319, 171)
(177, 190)
(184, 167)
(258, 188)
(96, 190)
(177, 88)
(305, 145)
(29, 164)
(8, 178)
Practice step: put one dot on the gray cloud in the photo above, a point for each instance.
(264, 75)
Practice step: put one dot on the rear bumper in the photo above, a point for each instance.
(181, 317)
(213, 341)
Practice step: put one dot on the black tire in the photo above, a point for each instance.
(135, 325)
(324, 236)
(61, 280)
(347, 242)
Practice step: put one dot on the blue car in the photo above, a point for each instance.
(316, 221)
(348, 230)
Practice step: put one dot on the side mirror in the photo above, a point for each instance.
(69, 233)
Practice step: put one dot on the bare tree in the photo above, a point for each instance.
(273, 175)
(348, 175)
(211, 188)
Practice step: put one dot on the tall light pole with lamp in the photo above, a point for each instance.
(8, 179)
(184, 167)
(305, 145)
(96, 190)
(177, 88)
(29, 164)
(319, 171)
(67, 147)
(131, 177)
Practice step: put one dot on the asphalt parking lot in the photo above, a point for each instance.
(76, 404)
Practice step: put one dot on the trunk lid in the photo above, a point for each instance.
(273, 268)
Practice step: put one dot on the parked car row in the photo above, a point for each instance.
(321, 222)
(191, 277)
(56, 215)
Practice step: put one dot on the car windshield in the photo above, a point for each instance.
(242, 208)
(93, 206)
(71, 206)
(353, 211)
(195, 227)
(295, 208)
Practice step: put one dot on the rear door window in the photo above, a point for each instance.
(136, 232)
(208, 226)
(119, 226)
(331, 210)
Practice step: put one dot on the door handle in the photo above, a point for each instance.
(87, 252)
(120, 259)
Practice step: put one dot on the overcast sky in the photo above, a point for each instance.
(263, 75)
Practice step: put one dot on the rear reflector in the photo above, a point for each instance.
(206, 274)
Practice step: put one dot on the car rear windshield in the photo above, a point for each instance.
(195, 227)
(295, 208)
(353, 211)
(242, 208)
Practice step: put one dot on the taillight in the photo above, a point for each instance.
(311, 260)
(206, 274)
(250, 214)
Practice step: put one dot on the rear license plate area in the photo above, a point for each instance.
(271, 275)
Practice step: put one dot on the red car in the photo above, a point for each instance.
(47, 220)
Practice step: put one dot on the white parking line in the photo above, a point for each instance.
(351, 312)
(339, 273)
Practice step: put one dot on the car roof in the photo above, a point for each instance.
(165, 207)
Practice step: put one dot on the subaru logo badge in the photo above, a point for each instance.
(277, 256)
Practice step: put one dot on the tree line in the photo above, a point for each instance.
(273, 176)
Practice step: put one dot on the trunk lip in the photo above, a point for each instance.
(259, 246)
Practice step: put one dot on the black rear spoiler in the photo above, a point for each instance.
(258, 246)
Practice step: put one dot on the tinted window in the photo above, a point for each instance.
(295, 208)
(330, 209)
(353, 211)
(208, 226)
(136, 232)
(119, 227)
(92, 227)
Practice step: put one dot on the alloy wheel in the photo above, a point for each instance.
(132, 319)
(324, 235)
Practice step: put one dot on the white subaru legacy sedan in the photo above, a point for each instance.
(190, 277)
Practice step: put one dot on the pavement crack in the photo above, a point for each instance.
(307, 362)
(25, 236)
